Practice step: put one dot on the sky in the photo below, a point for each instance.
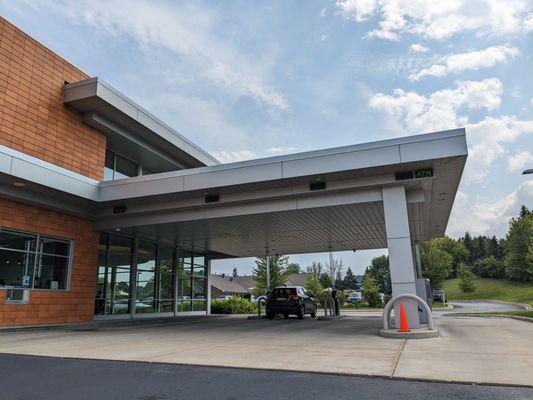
(248, 79)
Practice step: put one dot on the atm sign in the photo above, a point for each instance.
(424, 173)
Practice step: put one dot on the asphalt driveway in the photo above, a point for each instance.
(38, 378)
(469, 349)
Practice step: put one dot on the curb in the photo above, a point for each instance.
(526, 307)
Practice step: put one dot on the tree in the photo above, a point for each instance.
(436, 263)
(454, 248)
(380, 270)
(350, 281)
(371, 291)
(325, 279)
(466, 278)
(334, 268)
(235, 273)
(489, 267)
(339, 283)
(278, 273)
(313, 287)
(294, 268)
(468, 243)
(519, 243)
(316, 269)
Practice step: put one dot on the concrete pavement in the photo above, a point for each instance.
(469, 349)
(37, 378)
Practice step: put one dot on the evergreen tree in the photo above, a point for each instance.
(519, 243)
(350, 281)
(278, 273)
(466, 278)
(467, 241)
(339, 283)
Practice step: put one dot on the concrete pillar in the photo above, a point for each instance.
(400, 252)
(208, 283)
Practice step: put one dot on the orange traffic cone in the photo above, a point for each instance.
(404, 327)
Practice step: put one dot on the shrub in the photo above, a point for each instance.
(371, 291)
(233, 305)
(466, 278)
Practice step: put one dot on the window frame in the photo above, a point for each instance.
(114, 169)
(37, 253)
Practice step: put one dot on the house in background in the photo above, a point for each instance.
(223, 286)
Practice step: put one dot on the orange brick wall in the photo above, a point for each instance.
(33, 118)
(49, 307)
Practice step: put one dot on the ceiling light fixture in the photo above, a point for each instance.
(19, 184)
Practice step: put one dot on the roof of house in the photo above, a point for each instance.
(246, 281)
(298, 279)
(227, 284)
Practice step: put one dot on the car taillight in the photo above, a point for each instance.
(269, 297)
(294, 296)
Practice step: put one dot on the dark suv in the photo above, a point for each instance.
(287, 300)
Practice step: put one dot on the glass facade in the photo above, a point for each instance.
(118, 167)
(150, 268)
(31, 260)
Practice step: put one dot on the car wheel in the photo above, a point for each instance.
(313, 314)
(301, 313)
(270, 315)
(285, 315)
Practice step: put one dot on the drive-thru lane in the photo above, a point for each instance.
(42, 378)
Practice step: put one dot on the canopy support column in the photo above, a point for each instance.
(400, 251)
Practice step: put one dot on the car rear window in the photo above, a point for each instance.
(284, 292)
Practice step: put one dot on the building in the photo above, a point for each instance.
(223, 286)
(107, 212)
(243, 285)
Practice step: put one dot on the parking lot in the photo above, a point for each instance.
(469, 349)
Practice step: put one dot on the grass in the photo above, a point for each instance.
(492, 289)
(527, 314)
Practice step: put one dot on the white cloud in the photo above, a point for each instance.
(473, 60)
(323, 37)
(487, 142)
(488, 138)
(322, 12)
(418, 48)
(358, 10)
(481, 217)
(437, 19)
(187, 31)
(438, 111)
(281, 149)
(234, 156)
(518, 161)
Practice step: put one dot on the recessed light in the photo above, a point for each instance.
(19, 184)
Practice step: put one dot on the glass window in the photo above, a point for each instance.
(16, 268)
(113, 290)
(17, 240)
(118, 167)
(51, 273)
(125, 168)
(109, 165)
(23, 263)
(120, 244)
